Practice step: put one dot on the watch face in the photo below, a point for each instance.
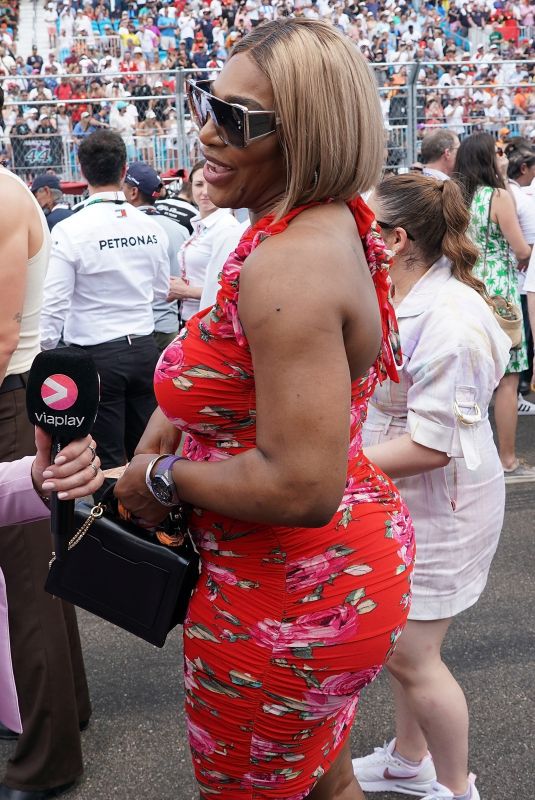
(161, 489)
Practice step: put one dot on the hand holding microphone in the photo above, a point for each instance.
(62, 399)
(75, 473)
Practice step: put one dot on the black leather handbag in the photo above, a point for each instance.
(123, 573)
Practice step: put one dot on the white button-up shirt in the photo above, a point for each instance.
(108, 262)
(202, 256)
(454, 355)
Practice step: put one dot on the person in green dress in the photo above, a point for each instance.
(480, 168)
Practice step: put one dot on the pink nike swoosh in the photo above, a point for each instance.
(389, 777)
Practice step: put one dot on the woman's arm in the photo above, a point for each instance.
(179, 289)
(25, 483)
(14, 237)
(296, 473)
(400, 458)
(504, 213)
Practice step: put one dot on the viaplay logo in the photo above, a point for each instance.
(59, 392)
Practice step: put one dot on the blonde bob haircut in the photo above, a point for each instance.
(331, 127)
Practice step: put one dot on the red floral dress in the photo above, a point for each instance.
(286, 625)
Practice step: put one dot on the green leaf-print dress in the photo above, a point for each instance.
(499, 274)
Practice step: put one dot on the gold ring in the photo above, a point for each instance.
(94, 452)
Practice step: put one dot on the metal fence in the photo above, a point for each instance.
(161, 133)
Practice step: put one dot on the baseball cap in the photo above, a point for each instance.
(84, 114)
(144, 178)
(50, 180)
(121, 104)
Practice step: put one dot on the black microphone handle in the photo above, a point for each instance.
(61, 514)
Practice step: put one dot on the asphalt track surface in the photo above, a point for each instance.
(135, 747)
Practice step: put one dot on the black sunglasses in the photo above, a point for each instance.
(235, 124)
(391, 228)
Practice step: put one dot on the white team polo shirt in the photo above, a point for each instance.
(108, 263)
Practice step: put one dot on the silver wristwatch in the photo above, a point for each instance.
(159, 480)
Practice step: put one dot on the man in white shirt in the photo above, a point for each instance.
(439, 150)
(108, 263)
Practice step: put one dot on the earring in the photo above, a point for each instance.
(315, 179)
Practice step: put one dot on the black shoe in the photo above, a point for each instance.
(7, 734)
(42, 794)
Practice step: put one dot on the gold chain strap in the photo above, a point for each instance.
(96, 512)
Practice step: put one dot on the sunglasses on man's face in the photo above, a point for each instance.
(235, 124)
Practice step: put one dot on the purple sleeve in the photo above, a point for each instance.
(19, 502)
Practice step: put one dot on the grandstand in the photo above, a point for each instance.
(69, 67)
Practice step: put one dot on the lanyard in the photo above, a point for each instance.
(117, 201)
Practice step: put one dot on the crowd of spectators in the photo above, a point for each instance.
(112, 63)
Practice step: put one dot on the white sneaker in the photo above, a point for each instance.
(525, 408)
(440, 792)
(381, 771)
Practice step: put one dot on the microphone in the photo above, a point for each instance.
(62, 398)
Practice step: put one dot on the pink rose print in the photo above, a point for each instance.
(320, 706)
(355, 443)
(199, 739)
(190, 683)
(345, 720)
(307, 572)
(196, 451)
(221, 575)
(171, 362)
(402, 530)
(332, 696)
(350, 683)
(225, 329)
(262, 749)
(231, 269)
(332, 625)
(205, 540)
(357, 493)
(231, 309)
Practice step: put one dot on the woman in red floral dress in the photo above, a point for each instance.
(306, 547)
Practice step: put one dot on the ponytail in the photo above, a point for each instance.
(437, 218)
(456, 245)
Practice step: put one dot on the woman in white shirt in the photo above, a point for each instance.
(216, 232)
(431, 434)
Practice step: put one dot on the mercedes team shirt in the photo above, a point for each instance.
(108, 263)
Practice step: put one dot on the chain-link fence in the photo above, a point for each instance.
(42, 131)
